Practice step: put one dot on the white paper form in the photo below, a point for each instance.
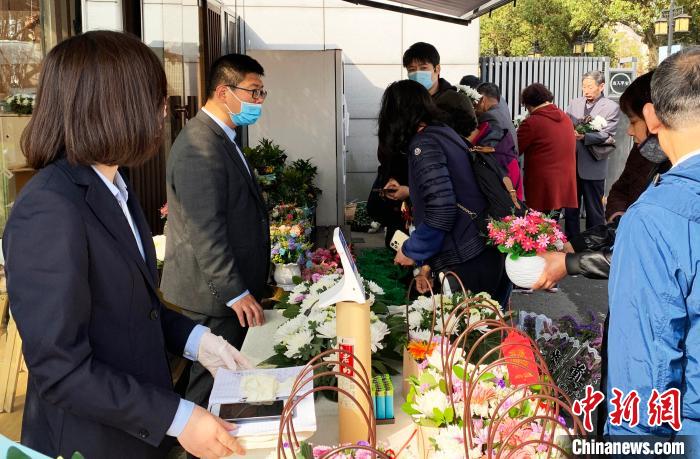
(227, 389)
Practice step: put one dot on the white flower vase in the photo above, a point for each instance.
(285, 273)
(524, 271)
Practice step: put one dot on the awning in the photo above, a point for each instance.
(456, 11)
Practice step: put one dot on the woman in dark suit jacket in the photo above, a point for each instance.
(81, 270)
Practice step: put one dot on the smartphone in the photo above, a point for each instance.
(237, 412)
(397, 241)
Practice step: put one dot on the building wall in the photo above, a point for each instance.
(373, 42)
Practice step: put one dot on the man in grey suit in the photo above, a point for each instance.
(592, 151)
(218, 236)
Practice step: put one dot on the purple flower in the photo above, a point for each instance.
(501, 383)
(363, 443)
(562, 421)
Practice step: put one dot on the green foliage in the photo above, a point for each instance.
(558, 24)
(282, 183)
(378, 266)
(362, 220)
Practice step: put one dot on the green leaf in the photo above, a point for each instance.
(77, 455)
(297, 280)
(443, 385)
(513, 412)
(427, 378)
(407, 408)
(306, 450)
(438, 416)
(449, 415)
(487, 377)
(458, 371)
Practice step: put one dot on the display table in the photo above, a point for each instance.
(258, 347)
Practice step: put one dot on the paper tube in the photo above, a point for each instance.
(352, 328)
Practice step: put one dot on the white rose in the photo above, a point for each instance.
(599, 123)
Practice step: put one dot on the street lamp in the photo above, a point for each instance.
(672, 20)
(584, 45)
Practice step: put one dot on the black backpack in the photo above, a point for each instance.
(497, 188)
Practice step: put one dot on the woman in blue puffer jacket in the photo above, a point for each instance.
(445, 195)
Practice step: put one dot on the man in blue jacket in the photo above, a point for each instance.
(654, 335)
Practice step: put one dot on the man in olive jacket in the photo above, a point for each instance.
(217, 256)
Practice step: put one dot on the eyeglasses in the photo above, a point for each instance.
(256, 93)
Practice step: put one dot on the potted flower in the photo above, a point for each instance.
(289, 244)
(523, 239)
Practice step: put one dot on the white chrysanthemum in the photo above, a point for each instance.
(297, 341)
(599, 123)
(309, 302)
(288, 328)
(298, 290)
(422, 303)
(378, 330)
(375, 288)
(472, 93)
(420, 335)
(414, 319)
(327, 329)
(449, 442)
(426, 402)
(450, 323)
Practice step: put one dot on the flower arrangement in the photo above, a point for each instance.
(432, 404)
(22, 104)
(289, 214)
(590, 124)
(420, 319)
(321, 262)
(532, 234)
(290, 242)
(472, 93)
(311, 330)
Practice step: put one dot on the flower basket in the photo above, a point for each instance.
(524, 271)
(410, 368)
(425, 446)
(285, 274)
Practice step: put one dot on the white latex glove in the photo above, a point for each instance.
(215, 352)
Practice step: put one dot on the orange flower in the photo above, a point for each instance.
(420, 350)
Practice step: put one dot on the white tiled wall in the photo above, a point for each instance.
(373, 42)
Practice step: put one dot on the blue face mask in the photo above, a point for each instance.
(249, 113)
(424, 77)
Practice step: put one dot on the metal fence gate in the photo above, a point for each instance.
(562, 75)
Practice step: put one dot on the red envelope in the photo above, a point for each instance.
(522, 368)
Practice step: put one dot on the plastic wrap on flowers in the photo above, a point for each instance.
(329, 363)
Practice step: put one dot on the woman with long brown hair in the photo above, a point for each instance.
(81, 271)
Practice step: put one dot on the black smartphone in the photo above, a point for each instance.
(237, 412)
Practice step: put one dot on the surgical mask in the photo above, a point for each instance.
(249, 112)
(424, 77)
(651, 150)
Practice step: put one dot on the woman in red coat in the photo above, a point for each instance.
(547, 140)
